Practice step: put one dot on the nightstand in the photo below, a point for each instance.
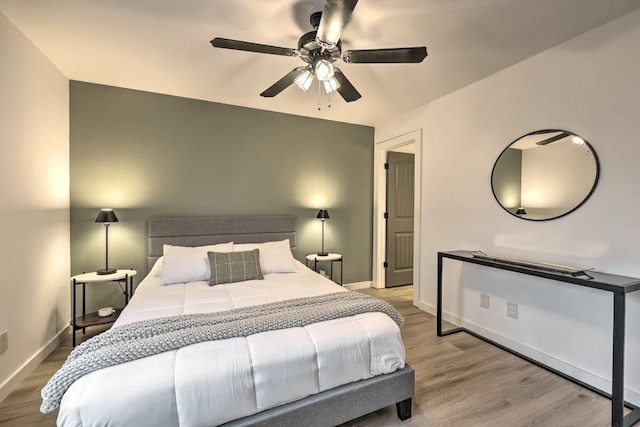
(332, 257)
(124, 278)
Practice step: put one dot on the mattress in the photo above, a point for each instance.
(215, 382)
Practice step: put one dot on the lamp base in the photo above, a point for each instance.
(322, 253)
(106, 271)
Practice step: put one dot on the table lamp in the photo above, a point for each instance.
(106, 216)
(323, 215)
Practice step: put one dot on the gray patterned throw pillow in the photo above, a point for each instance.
(229, 267)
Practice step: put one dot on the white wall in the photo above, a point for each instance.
(34, 204)
(556, 178)
(588, 85)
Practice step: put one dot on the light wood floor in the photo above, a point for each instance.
(460, 381)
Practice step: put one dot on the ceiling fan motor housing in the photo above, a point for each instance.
(310, 51)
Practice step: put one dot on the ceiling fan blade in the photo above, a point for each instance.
(382, 56)
(346, 89)
(252, 47)
(283, 83)
(335, 17)
(553, 139)
(541, 132)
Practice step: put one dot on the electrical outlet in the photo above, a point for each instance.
(512, 310)
(4, 342)
(484, 300)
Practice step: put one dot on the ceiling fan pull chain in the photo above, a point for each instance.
(329, 100)
(319, 94)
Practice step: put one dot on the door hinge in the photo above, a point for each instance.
(385, 264)
(386, 215)
(386, 165)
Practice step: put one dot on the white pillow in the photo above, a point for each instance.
(182, 264)
(275, 257)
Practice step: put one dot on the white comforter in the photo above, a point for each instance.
(218, 381)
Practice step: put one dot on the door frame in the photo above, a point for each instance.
(379, 205)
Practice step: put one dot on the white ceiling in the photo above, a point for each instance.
(163, 45)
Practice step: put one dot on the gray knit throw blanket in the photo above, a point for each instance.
(148, 337)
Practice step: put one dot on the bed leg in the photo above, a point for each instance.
(404, 409)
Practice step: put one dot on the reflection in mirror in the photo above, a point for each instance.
(545, 175)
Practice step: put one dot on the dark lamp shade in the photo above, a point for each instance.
(521, 211)
(106, 215)
(323, 214)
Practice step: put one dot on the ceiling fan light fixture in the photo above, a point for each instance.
(304, 80)
(324, 70)
(331, 85)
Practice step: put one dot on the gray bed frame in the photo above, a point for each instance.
(328, 408)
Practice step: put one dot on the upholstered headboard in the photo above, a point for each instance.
(202, 231)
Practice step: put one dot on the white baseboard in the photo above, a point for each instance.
(30, 365)
(590, 378)
(357, 285)
(425, 307)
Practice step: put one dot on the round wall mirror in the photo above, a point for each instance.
(545, 175)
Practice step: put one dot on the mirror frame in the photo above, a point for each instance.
(595, 182)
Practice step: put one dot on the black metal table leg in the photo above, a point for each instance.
(439, 302)
(84, 304)
(73, 312)
(617, 376)
(439, 305)
(126, 289)
(632, 418)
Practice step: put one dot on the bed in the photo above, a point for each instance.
(323, 374)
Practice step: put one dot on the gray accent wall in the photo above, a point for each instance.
(148, 155)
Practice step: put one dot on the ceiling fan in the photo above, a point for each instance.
(320, 48)
(574, 138)
(553, 138)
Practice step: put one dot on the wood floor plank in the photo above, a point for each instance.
(461, 381)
